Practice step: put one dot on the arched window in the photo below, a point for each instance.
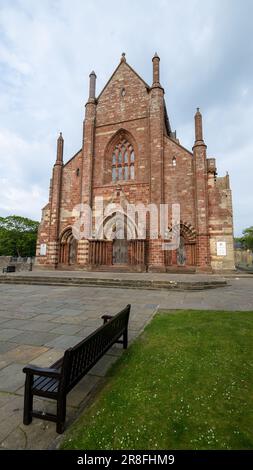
(123, 159)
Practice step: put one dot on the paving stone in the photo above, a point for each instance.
(64, 342)
(137, 325)
(8, 333)
(39, 434)
(94, 323)
(5, 346)
(82, 390)
(66, 329)
(84, 332)
(21, 354)
(11, 378)
(10, 404)
(5, 400)
(34, 325)
(19, 315)
(17, 324)
(48, 358)
(7, 426)
(75, 320)
(2, 320)
(34, 338)
(16, 440)
(21, 390)
(50, 310)
(45, 317)
(102, 366)
(132, 334)
(44, 404)
(68, 312)
(115, 350)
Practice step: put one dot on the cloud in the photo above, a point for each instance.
(47, 50)
(23, 186)
(16, 200)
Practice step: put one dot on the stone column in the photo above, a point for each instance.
(87, 160)
(201, 196)
(88, 142)
(55, 201)
(156, 130)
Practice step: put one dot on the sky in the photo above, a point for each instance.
(49, 47)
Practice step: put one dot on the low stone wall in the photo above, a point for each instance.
(21, 264)
(243, 257)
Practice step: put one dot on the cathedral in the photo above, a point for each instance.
(130, 157)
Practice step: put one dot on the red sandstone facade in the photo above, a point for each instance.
(129, 155)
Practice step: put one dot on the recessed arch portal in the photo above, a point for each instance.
(185, 255)
(68, 248)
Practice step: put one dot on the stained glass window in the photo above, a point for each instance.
(123, 160)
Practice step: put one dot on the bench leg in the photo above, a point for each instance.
(125, 339)
(28, 400)
(61, 414)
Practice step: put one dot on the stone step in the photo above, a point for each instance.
(118, 268)
(180, 269)
(111, 282)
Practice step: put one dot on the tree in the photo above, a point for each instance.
(18, 236)
(247, 238)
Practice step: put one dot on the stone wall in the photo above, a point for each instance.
(243, 257)
(220, 222)
(21, 264)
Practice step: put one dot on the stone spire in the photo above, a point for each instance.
(59, 153)
(198, 127)
(92, 88)
(156, 70)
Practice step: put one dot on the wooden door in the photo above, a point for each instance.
(120, 252)
(73, 251)
(181, 256)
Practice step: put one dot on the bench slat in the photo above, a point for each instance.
(46, 384)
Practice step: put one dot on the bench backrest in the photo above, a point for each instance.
(78, 360)
(10, 269)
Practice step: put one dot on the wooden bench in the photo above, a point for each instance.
(9, 269)
(57, 380)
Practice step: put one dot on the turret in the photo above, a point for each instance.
(92, 88)
(55, 203)
(201, 196)
(88, 142)
(156, 70)
(156, 145)
(198, 128)
(59, 152)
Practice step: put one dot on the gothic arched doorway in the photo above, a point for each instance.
(68, 248)
(185, 255)
(117, 243)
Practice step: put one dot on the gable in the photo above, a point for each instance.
(125, 96)
(73, 160)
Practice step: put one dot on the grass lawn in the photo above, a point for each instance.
(186, 383)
